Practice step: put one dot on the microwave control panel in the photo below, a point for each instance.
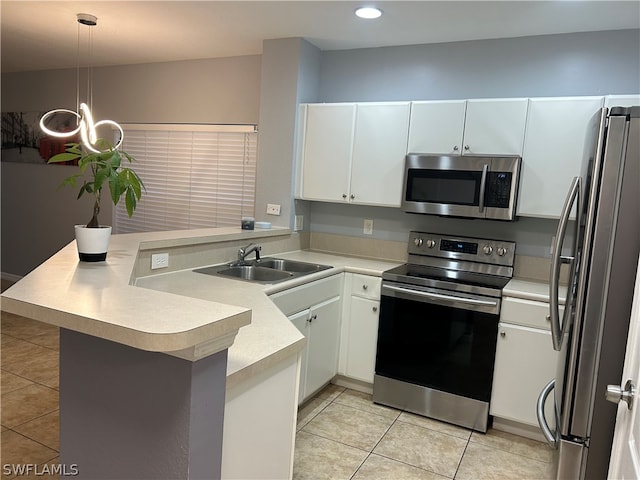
(498, 190)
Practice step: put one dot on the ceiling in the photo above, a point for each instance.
(44, 35)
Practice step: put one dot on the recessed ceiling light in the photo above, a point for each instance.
(368, 12)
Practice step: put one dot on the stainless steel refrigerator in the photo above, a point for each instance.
(601, 249)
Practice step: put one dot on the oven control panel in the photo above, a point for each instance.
(462, 248)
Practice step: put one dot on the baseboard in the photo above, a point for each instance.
(353, 384)
(520, 429)
(9, 277)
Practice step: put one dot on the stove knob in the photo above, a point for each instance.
(487, 249)
(431, 243)
(417, 241)
(502, 251)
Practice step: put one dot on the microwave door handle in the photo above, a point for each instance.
(556, 260)
(483, 186)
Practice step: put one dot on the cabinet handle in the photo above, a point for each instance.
(344, 196)
(364, 287)
(466, 147)
(352, 196)
(375, 309)
(456, 148)
(312, 318)
(503, 334)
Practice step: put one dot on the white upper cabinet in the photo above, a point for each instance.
(379, 148)
(495, 126)
(553, 152)
(326, 154)
(354, 153)
(621, 101)
(471, 127)
(437, 127)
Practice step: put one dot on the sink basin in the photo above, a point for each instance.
(248, 272)
(266, 270)
(289, 265)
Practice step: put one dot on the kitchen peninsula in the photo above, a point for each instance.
(144, 362)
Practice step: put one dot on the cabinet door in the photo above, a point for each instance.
(436, 127)
(525, 362)
(553, 152)
(495, 126)
(299, 320)
(379, 148)
(363, 336)
(322, 359)
(621, 100)
(328, 143)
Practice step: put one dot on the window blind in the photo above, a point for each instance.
(195, 176)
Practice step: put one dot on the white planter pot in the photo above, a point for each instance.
(92, 243)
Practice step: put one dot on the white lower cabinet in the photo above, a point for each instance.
(315, 310)
(323, 335)
(525, 361)
(360, 327)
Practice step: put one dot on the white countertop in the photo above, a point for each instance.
(182, 313)
(531, 290)
(271, 336)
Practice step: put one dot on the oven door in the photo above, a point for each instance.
(439, 339)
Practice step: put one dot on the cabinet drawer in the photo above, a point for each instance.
(529, 313)
(298, 298)
(365, 286)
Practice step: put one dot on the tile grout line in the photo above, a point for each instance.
(33, 439)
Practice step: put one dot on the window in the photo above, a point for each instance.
(195, 176)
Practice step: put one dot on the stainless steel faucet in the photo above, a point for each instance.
(244, 251)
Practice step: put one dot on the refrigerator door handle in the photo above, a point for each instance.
(556, 260)
(551, 437)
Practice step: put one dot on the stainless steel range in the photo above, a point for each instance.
(438, 327)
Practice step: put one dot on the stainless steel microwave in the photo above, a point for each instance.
(471, 186)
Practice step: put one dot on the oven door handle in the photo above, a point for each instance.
(439, 296)
(483, 186)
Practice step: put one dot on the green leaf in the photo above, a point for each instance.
(63, 157)
(130, 201)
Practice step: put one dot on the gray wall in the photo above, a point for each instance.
(290, 71)
(596, 63)
(37, 219)
(232, 90)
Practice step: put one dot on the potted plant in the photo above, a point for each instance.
(104, 167)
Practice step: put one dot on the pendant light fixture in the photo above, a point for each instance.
(86, 127)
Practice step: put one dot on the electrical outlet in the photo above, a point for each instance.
(368, 227)
(273, 209)
(299, 223)
(159, 260)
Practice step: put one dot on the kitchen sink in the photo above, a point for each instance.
(289, 265)
(256, 274)
(266, 270)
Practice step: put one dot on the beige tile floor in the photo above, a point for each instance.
(29, 397)
(341, 433)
